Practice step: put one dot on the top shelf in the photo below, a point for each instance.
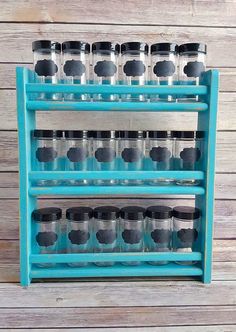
(33, 103)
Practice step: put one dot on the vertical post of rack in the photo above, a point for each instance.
(26, 121)
(207, 123)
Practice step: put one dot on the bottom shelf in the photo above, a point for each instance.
(118, 270)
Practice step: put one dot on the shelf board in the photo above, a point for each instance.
(116, 190)
(115, 106)
(118, 270)
(119, 175)
(115, 256)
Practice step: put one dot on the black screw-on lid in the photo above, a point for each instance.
(133, 134)
(134, 46)
(41, 133)
(46, 45)
(132, 212)
(47, 214)
(76, 134)
(186, 212)
(75, 46)
(80, 213)
(193, 47)
(159, 212)
(164, 48)
(188, 134)
(106, 212)
(104, 134)
(105, 46)
(160, 134)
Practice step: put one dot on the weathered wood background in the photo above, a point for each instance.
(134, 305)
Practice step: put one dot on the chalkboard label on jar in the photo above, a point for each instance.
(190, 155)
(106, 236)
(161, 235)
(188, 235)
(46, 239)
(46, 154)
(74, 68)
(77, 154)
(105, 155)
(131, 155)
(194, 69)
(164, 68)
(46, 68)
(78, 237)
(105, 68)
(134, 68)
(132, 236)
(160, 154)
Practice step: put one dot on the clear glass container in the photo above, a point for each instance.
(186, 228)
(47, 231)
(105, 67)
(159, 230)
(132, 230)
(48, 153)
(164, 68)
(131, 153)
(106, 225)
(135, 61)
(188, 153)
(78, 154)
(159, 154)
(192, 63)
(75, 67)
(79, 231)
(104, 153)
(47, 65)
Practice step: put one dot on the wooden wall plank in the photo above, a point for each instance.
(224, 223)
(200, 13)
(226, 150)
(118, 294)
(8, 76)
(116, 120)
(17, 38)
(224, 251)
(114, 317)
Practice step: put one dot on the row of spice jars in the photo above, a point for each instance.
(166, 64)
(75, 150)
(107, 229)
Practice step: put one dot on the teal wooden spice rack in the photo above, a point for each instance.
(207, 115)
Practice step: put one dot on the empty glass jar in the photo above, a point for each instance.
(134, 67)
(159, 153)
(131, 153)
(186, 228)
(106, 231)
(79, 233)
(132, 230)
(188, 153)
(105, 67)
(164, 67)
(192, 63)
(159, 230)
(75, 66)
(47, 63)
(104, 152)
(77, 153)
(47, 231)
(48, 154)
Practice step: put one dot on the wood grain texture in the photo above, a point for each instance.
(116, 120)
(203, 328)
(115, 317)
(203, 13)
(17, 38)
(224, 251)
(224, 221)
(90, 294)
(225, 151)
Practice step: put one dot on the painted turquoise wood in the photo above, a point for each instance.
(26, 108)
(116, 256)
